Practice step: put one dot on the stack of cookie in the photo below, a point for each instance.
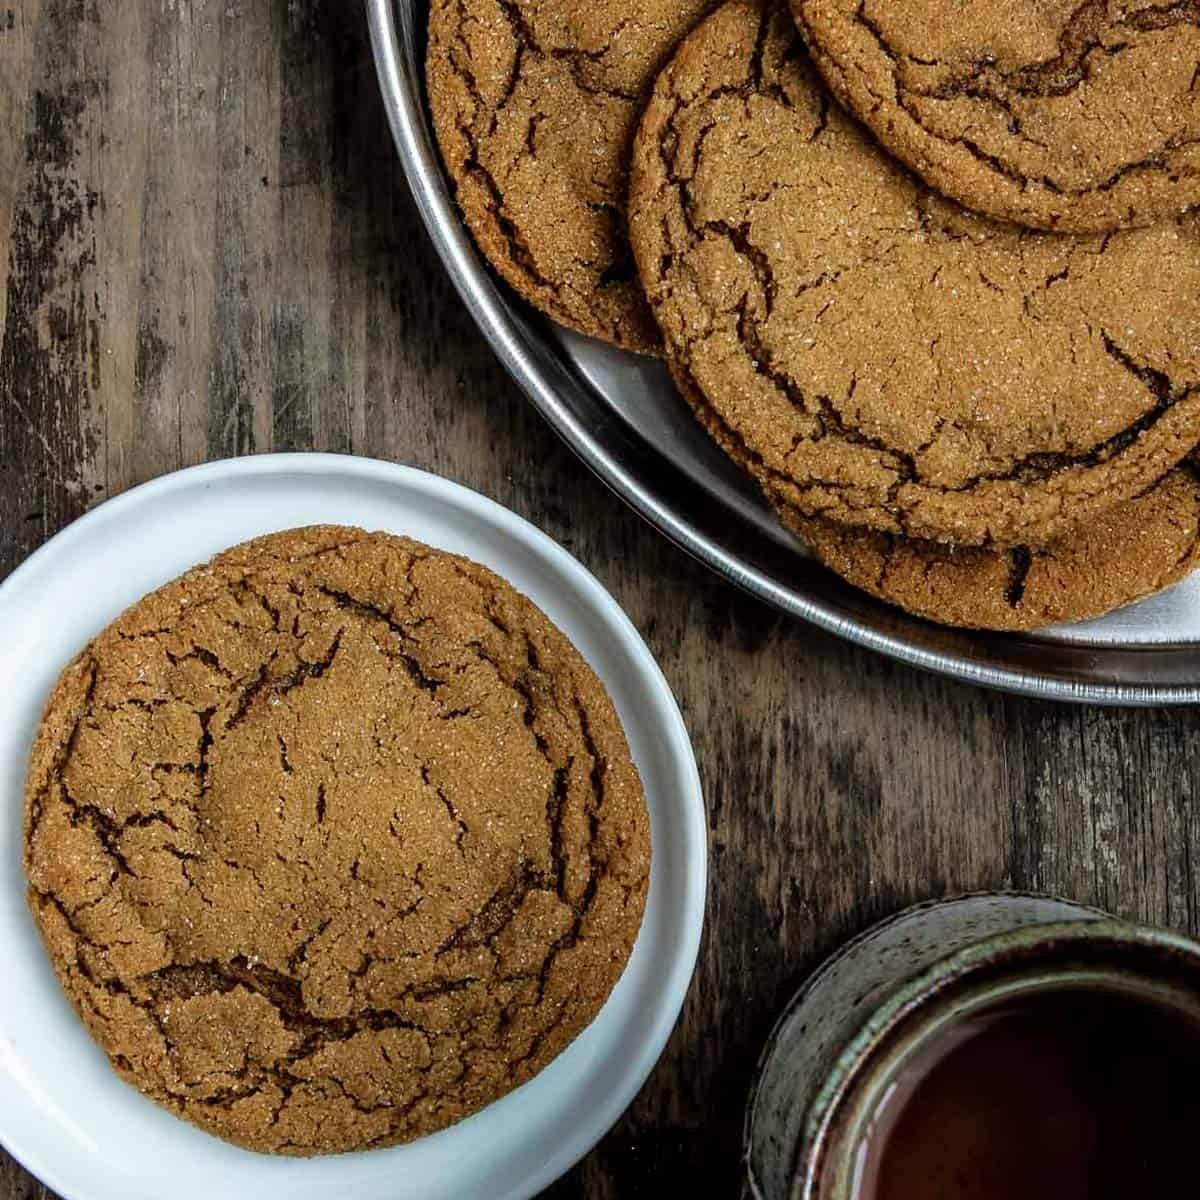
(967, 375)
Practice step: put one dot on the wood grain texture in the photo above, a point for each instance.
(207, 249)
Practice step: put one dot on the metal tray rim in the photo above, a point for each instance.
(1079, 679)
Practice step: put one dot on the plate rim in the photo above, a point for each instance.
(978, 659)
(692, 805)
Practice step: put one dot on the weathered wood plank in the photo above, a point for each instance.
(16, 68)
(48, 347)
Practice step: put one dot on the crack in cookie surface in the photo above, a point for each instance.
(334, 841)
(876, 354)
(1136, 548)
(1079, 115)
(535, 104)
(1139, 547)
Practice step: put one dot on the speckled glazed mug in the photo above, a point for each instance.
(873, 1007)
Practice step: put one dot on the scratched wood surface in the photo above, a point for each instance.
(207, 249)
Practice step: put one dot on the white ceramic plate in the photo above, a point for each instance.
(63, 1112)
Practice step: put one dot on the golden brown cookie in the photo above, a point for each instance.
(1139, 547)
(333, 841)
(1129, 551)
(874, 353)
(535, 104)
(1075, 115)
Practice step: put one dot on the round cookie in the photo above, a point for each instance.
(535, 103)
(1063, 115)
(1139, 547)
(874, 353)
(333, 841)
(1129, 551)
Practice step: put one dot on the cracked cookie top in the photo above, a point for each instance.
(1076, 115)
(333, 841)
(535, 103)
(1134, 549)
(1137, 547)
(876, 354)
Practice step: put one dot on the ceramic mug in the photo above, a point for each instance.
(881, 999)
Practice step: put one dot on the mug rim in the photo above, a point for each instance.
(924, 989)
(813, 979)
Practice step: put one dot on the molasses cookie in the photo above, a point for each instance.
(333, 841)
(535, 104)
(872, 352)
(1139, 547)
(1054, 113)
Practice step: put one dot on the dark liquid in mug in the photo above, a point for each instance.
(1075, 1096)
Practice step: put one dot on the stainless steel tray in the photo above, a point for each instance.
(621, 415)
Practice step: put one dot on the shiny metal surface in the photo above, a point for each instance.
(622, 417)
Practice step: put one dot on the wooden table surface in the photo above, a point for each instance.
(208, 249)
